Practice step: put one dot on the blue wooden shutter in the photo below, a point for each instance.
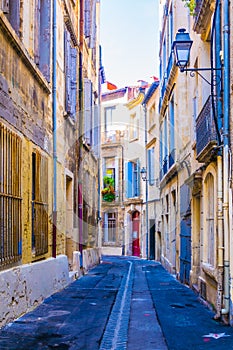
(37, 32)
(67, 72)
(130, 179)
(87, 109)
(96, 135)
(73, 82)
(93, 26)
(151, 165)
(138, 179)
(14, 15)
(87, 18)
(45, 38)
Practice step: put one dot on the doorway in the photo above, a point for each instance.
(135, 234)
(152, 239)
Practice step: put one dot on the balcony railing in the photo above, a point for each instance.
(206, 134)
(112, 136)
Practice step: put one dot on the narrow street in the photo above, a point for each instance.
(123, 303)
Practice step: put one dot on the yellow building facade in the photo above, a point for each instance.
(48, 49)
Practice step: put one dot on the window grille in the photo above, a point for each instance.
(10, 197)
(39, 204)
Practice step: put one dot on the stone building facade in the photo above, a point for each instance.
(48, 51)
(195, 156)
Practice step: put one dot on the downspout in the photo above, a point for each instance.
(146, 156)
(226, 101)
(217, 29)
(54, 113)
(80, 196)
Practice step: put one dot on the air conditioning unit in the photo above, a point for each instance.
(5, 6)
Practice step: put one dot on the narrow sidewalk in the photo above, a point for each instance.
(144, 329)
(185, 321)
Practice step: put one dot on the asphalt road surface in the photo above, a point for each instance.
(122, 304)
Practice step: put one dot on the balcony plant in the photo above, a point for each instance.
(108, 192)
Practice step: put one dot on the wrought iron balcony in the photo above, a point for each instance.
(206, 134)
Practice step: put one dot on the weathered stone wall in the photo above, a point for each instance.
(24, 92)
(24, 287)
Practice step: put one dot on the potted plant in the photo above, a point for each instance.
(108, 191)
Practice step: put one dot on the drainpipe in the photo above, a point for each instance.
(220, 237)
(146, 156)
(80, 196)
(226, 101)
(54, 113)
(218, 92)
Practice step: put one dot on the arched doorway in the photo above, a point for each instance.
(135, 234)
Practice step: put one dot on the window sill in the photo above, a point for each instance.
(209, 270)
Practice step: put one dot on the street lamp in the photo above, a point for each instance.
(143, 174)
(181, 47)
(144, 178)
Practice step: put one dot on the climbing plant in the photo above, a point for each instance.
(191, 4)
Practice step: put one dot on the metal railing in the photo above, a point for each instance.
(206, 134)
(10, 197)
(39, 204)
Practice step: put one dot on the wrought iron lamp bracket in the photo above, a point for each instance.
(216, 78)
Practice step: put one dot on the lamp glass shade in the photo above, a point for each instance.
(143, 173)
(181, 47)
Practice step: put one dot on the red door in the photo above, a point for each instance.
(135, 234)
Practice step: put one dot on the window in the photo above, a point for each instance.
(109, 168)
(88, 111)
(10, 197)
(171, 133)
(133, 179)
(11, 8)
(70, 77)
(42, 36)
(42, 29)
(210, 215)
(151, 165)
(195, 115)
(110, 227)
(39, 204)
(134, 127)
(90, 22)
(152, 116)
(110, 132)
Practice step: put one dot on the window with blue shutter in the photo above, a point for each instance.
(42, 37)
(151, 166)
(172, 133)
(45, 38)
(70, 76)
(133, 179)
(87, 18)
(73, 82)
(130, 180)
(67, 72)
(14, 14)
(88, 111)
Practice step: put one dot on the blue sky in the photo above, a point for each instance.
(129, 36)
